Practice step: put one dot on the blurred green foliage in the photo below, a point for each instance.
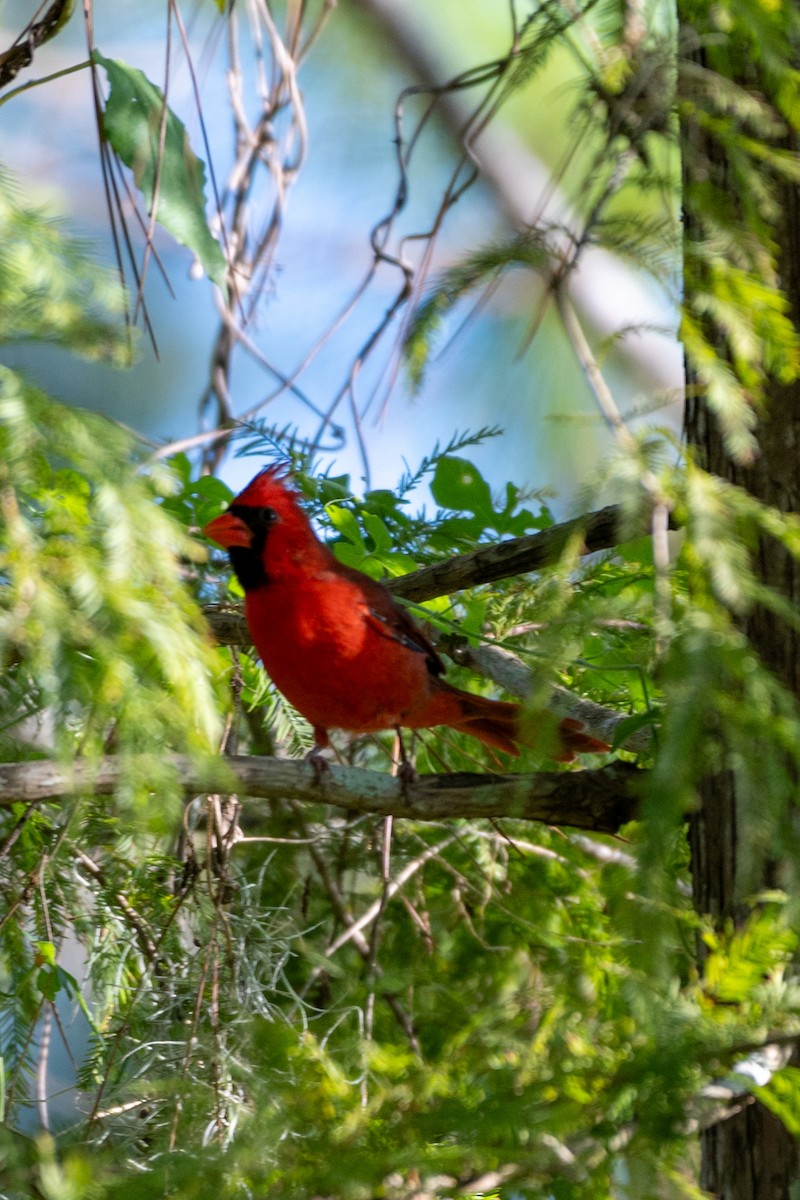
(94, 614)
(508, 1009)
(51, 290)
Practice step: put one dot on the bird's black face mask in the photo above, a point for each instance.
(248, 561)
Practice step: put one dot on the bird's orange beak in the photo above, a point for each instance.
(227, 530)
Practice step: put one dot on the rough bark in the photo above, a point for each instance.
(751, 1155)
(601, 800)
(598, 531)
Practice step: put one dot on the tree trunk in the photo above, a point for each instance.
(750, 1155)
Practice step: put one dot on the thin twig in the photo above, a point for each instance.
(392, 887)
(361, 944)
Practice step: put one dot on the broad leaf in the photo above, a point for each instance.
(459, 485)
(132, 124)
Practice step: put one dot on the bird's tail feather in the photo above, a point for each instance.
(497, 723)
(575, 740)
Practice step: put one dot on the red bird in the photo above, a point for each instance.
(336, 643)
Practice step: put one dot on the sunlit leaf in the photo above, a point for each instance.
(153, 142)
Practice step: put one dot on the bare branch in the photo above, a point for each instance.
(529, 195)
(35, 34)
(393, 887)
(511, 673)
(599, 530)
(601, 800)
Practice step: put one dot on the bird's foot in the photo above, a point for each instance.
(314, 756)
(319, 764)
(407, 776)
(405, 768)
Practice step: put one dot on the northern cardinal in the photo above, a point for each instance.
(337, 644)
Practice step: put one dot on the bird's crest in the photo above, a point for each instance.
(271, 488)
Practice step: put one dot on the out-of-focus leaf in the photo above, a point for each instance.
(133, 119)
(94, 611)
(782, 1097)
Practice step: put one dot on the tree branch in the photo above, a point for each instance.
(503, 560)
(601, 800)
(600, 531)
(505, 668)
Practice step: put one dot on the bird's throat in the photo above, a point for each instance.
(248, 566)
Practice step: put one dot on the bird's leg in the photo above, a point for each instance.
(405, 768)
(314, 756)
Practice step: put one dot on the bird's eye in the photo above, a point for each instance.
(264, 517)
(257, 519)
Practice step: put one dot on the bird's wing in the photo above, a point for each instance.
(390, 620)
(400, 628)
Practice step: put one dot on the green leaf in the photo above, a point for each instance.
(51, 291)
(529, 249)
(782, 1097)
(377, 530)
(738, 965)
(94, 609)
(631, 725)
(459, 485)
(46, 953)
(345, 522)
(48, 983)
(132, 124)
